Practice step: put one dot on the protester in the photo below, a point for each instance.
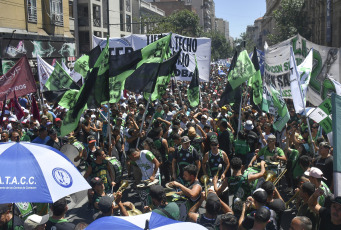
(57, 221)
(35, 222)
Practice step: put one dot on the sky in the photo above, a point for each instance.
(239, 13)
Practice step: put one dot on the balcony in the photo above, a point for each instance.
(151, 8)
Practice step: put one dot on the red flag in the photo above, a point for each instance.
(18, 78)
(17, 108)
(3, 110)
(35, 110)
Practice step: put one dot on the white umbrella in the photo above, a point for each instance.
(36, 173)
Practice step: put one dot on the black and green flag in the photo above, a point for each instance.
(101, 90)
(256, 80)
(231, 95)
(193, 93)
(138, 64)
(166, 70)
(82, 65)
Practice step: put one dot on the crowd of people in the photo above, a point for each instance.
(188, 159)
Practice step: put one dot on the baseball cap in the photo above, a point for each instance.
(325, 144)
(271, 137)
(91, 139)
(185, 139)
(34, 221)
(263, 214)
(96, 181)
(315, 172)
(57, 119)
(204, 116)
(105, 203)
(213, 204)
(156, 191)
(248, 125)
(260, 195)
(49, 123)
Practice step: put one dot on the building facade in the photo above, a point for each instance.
(222, 26)
(36, 27)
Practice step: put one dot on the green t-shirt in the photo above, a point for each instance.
(172, 208)
(326, 191)
(157, 114)
(268, 154)
(297, 171)
(241, 147)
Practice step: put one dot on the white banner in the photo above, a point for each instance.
(44, 71)
(190, 47)
(326, 62)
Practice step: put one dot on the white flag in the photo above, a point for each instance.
(67, 70)
(299, 79)
(44, 71)
(337, 86)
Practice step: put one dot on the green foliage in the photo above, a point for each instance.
(290, 19)
(182, 22)
(220, 47)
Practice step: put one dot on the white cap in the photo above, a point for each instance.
(34, 221)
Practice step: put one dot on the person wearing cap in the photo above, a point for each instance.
(306, 190)
(212, 159)
(257, 202)
(301, 223)
(325, 163)
(107, 207)
(57, 125)
(55, 141)
(192, 189)
(184, 155)
(42, 138)
(330, 217)
(315, 176)
(270, 152)
(213, 208)
(262, 218)
(160, 204)
(252, 139)
(35, 222)
(6, 218)
(57, 221)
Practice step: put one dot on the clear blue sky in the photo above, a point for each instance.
(239, 13)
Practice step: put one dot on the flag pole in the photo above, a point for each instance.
(143, 119)
(176, 83)
(240, 114)
(109, 125)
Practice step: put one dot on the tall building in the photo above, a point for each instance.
(205, 9)
(36, 27)
(223, 27)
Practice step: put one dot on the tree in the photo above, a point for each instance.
(290, 19)
(220, 47)
(182, 22)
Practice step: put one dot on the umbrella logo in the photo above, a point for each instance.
(62, 177)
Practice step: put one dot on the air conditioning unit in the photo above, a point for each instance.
(56, 18)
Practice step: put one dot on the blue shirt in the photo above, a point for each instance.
(38, 140)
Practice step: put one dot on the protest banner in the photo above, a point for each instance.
(326, 63)
(190, 47)
(18, 78)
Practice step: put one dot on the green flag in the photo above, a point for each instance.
(59, 79)
(82, 65)
(281, 116)
(256, 80)
(101, 90)
(139, 61)
(67, 97)
(242, 71)
(193, 93)
(166, 70)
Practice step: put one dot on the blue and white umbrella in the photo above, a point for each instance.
(36, 173)
(156, 221)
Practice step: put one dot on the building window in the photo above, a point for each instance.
(32, 10)
(97, 15)
(128, 21)
(98, 34)
(56, 9)
(121, 22)
(128, 5)
(121, 5)
(71, 9)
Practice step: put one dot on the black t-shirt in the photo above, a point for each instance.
(277, 205)
(250, 220)
(53, 144)
(326, 166)
(326, 222)
(224, 142)
(59, 225)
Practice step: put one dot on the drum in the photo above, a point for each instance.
(116, 168)
(70, 152)
(24, 209)
(143, 191)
